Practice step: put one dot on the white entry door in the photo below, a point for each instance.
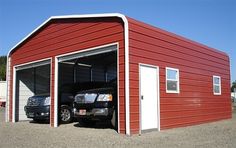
(149, 97)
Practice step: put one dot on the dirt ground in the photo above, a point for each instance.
(221, 134)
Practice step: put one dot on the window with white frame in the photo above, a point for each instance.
(216, 85)
(172, 80)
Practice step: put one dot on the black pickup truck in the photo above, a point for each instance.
(99, 103)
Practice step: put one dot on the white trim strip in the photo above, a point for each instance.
(158, 101)
(127, 104)
(14, 96)
(87, 52)
(55, 93)
(118, 87)
(33, 64)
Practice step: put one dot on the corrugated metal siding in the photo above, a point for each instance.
(64, 36)
(197, 64)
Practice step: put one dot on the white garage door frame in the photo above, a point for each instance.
(23, 66)
(82, 53)
(158, 97)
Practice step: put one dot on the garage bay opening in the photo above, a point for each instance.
(32, 99)
(87, 87)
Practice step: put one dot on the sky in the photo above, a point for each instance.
(210, 22)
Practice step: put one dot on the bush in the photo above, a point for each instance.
(3, 62)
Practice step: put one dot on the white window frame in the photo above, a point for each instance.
(178, 89)
(215, 93)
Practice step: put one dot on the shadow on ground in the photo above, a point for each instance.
(39, 122)
(97, 125)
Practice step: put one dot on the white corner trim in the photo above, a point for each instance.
(118, 85)
(127, 103)
(158, 102)
(14, 96)
(55, 92)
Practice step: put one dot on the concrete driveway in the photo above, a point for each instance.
(221, 134)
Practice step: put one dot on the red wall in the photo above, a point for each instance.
(197, 64)
(64, 36)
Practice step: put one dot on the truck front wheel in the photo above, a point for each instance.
(66, 114)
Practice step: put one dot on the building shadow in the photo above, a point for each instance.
(97, 125)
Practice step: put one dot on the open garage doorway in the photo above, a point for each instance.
(90, 73)
(30, 80)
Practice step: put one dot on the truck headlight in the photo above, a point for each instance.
(104, 97)
(46, 101)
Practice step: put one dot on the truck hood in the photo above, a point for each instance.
(41, 96)
(98, 90)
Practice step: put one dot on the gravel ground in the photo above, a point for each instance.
(221, 134)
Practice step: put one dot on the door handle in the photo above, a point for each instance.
(142, 97)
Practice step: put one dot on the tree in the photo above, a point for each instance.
(233, 86)
(3, 62)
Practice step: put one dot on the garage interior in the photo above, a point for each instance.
(101, 67)
(79, 69)
(30, 80)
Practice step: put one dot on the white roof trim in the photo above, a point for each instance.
(66, 17)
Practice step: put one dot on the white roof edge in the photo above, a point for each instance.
(68, 17)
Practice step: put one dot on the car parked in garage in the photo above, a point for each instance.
(97, 104)
(38, 107)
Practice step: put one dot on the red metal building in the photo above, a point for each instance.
(164, 80)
